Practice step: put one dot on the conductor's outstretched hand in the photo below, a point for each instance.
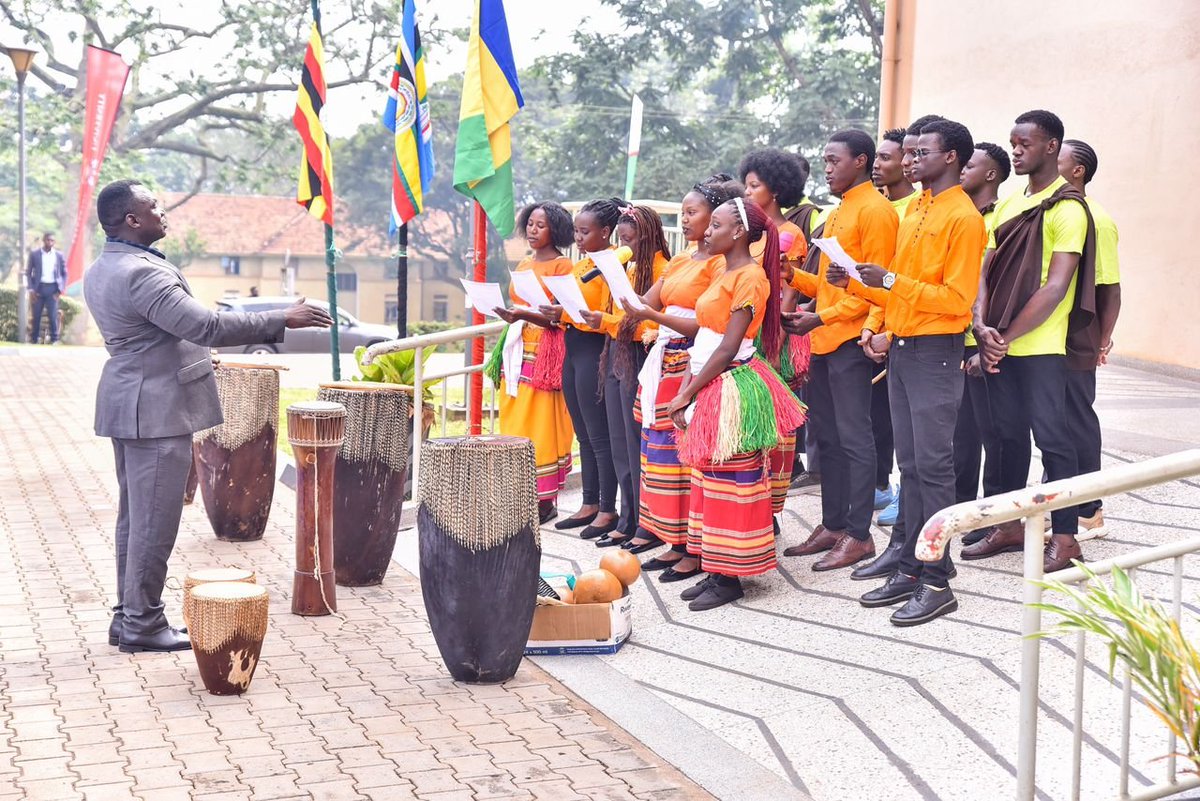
(301, 315)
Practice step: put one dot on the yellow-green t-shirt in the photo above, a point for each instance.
(1108, 270)
(901, 204)
(989, 222)
(1064, 231)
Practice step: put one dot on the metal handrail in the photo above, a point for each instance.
(1031, 504)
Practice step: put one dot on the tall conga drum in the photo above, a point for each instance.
(193, 480)
(227, 629)
(369, 476)
(235, 461)
(479, 550)
(210, 576)
(315, 430)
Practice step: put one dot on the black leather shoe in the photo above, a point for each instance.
(696, 590)
(972, 537)
(926, 604)
(592, 532)
(168, 639)
(575, 522)
(658, 563)
(897, 588)
(608, 541)
(717, 594)
(671, 574)
(642, 547)
(114, 632)
(882, 566)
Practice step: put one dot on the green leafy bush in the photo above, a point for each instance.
(8, 313)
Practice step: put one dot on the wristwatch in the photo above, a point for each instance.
(888, 280)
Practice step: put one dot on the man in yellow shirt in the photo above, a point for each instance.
(840, 376)
(887, 173)
(1077, 163)
(926, 296)
(976, 432)
(1022, 336)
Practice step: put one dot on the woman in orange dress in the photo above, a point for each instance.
(528, 371)
(733, 408)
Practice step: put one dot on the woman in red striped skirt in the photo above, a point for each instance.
(733, 408)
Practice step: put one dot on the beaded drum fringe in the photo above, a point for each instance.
(249, 403)
(194, 579)
(480, 491)
(378, 423)
(221, 614)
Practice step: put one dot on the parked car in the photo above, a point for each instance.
(351, 332)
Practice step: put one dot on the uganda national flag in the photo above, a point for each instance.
(315, 190)
(491, 97)
(407, 117)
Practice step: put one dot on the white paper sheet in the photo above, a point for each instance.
(527, 286)
(484, 296)
(618, 282)
(566, 292)
(832, 248)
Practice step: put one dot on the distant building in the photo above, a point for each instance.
(229, 244)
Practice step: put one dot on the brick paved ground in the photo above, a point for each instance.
(354, 709)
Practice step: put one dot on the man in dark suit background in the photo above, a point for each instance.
(46, 277)
(156, 390)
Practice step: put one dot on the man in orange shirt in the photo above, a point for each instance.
(926, 298)
(840, 376)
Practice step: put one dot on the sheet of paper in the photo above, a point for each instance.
(618, 282)
(566, 292)
(526, 284)
(832, 248)
(484, 296)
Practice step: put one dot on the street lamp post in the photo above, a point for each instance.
(22, 60)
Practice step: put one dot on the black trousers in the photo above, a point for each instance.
(926, 378)
(839, 396)
(581, 389)
(45, 299)
(881, 428)
(975, 440)
(1084, 427)
(624, 433)
(1030, 394)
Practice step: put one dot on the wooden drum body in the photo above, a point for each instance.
(315, 430)
(210, 576)
(235, 461)
(370, 475)
(480, 552)
(227, 628)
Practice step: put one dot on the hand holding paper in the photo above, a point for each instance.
(566, 292)
(610, 267)
(526, 284)
(833, 249)
(485, 297)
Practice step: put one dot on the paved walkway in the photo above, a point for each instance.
(337, 710)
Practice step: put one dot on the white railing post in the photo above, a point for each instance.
(1031, 624)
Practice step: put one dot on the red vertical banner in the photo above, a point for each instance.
(106, 75)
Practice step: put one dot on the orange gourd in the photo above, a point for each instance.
(597, 587)
(622, 564)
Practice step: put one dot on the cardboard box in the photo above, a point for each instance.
(581, 628)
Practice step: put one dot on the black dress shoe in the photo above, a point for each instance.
(926, 604)
(609, 541)
(972, 537)
(114, 632)
(168, 639)
(642, 547)
(897, 588)
(575, 522)
(696, 590)
(882, 566)
(671, 574)
(591, 532)
(658, 563)
(717, 594)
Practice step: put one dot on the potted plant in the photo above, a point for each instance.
(399, 367)
(1163, 664)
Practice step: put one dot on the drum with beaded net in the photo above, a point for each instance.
(370, 474)
(227, 628)
(235, 461)
(479, 551)
(210, 576)
(315, 431)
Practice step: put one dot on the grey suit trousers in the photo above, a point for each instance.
(151, 474)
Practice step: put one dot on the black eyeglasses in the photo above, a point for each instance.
(922, 152)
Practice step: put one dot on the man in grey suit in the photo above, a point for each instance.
(157, 388)
(46, 277)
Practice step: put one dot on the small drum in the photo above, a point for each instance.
(228, 625)
(198, 577)
(235, 461)
(315, 430)
(480, 552)
(370, 477)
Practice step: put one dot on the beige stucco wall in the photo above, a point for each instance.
(1124, 77)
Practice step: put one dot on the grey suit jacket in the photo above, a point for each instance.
(158, 381)
(33, 269)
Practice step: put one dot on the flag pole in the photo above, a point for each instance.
(480, 248)
(635, 145)
(331, 289)
(402, 283)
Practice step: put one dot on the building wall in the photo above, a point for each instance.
(1124, 77)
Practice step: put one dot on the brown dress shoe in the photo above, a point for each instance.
(848, 551)
(822, 539)
(1059, 552)
(1003, 538)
